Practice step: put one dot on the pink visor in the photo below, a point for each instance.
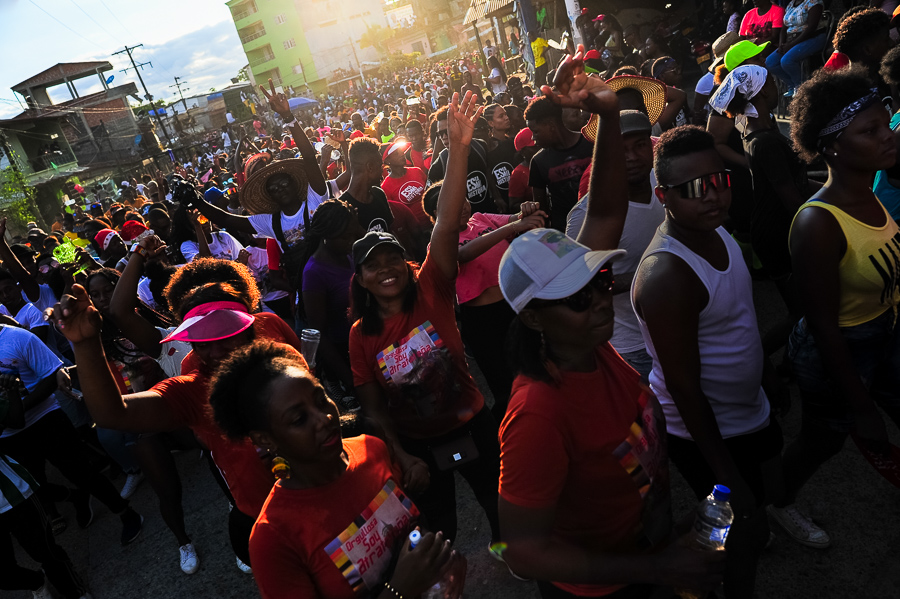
(211, 322)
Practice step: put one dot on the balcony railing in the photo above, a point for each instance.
(264, 58)
(51, 160)
(252, 36)
(246, 12)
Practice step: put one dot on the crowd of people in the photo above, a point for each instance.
(577, 241)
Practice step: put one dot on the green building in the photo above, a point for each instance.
(310, 43)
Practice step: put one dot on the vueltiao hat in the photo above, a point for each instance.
(254, 197)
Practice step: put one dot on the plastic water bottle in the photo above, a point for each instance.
(309, 344)
(437, 591)
(711, 526)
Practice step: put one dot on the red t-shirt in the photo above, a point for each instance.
(592, 447)
(518, 184)
(418, 159)
(267, 326)
(405, 226)
(418, 360)
(335, 541)
(408, 190)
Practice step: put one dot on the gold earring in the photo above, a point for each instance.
(281, 468)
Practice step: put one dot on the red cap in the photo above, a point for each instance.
(599, 18)
(397, 146)
(524, 139)
(592, 54)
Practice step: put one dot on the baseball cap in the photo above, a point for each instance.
(397, 146)
(23, 251)
(634, 121)
(371, 240)
(545, 264)
(211, 322)
(213, 194)
(741, 51)
(524, 139)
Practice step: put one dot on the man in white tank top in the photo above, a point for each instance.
(693, 297)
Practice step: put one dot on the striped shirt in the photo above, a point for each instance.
(16, 484)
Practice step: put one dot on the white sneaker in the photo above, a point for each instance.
(131, 484)
(43, 592)
(242, 566)
(799, 526)
(190, 563)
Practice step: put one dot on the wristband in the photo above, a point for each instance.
(140, 251)
(293, 123)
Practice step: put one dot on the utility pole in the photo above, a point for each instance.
(141, 79)
(358, 64)
(178, 85)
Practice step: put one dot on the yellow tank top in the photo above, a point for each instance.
(869, 272)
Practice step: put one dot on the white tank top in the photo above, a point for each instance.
(731, 355)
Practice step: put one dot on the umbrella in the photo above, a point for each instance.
(295, 103)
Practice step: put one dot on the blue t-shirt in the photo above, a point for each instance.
(886, 193)
(23, 354)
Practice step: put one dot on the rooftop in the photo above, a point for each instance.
(59, 73)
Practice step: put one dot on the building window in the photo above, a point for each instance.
(280, 19)
(417, 47)
(288, 44)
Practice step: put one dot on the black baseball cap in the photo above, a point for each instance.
(371, 240)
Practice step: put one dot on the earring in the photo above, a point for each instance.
(281, 468)
(835, 153)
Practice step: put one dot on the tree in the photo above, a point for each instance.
(398, 63)
(16, 196)
(376, 36)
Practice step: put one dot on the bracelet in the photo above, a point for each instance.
(140, 251)
(293, 123)
(393, 591)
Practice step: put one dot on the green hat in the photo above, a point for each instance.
(740, 52)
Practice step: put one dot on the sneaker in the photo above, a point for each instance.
(131, 484)
(789, 93)
(84, 512)
(799, 526)
(132, 524)
(242, 566)
(43, 592)
(58, 525)
(189, 560)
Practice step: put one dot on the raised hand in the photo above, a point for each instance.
(574, 89)
(75, 316)
(461, 118)
(154, 245)
(277, 102)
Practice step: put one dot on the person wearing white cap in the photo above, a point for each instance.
(584, 492)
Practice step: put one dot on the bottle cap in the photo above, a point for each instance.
(721, 493)
(414, 538)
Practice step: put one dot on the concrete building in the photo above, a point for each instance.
(310, 43)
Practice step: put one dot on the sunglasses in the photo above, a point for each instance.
(699, 187)
(582, 299)
(45, 268)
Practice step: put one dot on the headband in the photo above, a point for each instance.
(840, 121)
(746, 79)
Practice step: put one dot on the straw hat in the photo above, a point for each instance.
(721, 46)
(253, 196)
(653, 91)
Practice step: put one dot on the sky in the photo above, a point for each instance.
(193, 39)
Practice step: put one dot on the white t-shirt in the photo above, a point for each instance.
(144, 292)
(226, 139)
(498, 88)
(258, 263)
(223, 246)
(23, 354)
(30, 317)
(640, 227)
(705, 85)
(171, 353)
(292, 226)
(47, 298)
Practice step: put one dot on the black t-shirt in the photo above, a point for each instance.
(476, 181)
(374, 216)
(559, 172)
(501, 162)
(773, 162)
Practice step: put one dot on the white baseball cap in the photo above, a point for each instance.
(545, 264)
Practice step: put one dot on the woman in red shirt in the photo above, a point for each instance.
(407, 356)
(584, 488)
(336, 516)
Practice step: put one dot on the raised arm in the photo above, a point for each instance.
(80, 322)
(530, 217)
(279, 103)
(461, 119)
(608, 201)
(23, 277)
(123, 305)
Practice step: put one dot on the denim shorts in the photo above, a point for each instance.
(875, 351)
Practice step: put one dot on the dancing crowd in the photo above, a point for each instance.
(308, 309)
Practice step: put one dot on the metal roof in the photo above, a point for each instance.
(480, 8)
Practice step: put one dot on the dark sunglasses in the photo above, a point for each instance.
(582, 299)
(45, 268)
(699, 187)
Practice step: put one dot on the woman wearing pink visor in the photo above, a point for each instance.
(216, 321)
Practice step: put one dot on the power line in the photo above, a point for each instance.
(115, 17)
(141, 79)
(95, 22)
(66, 26)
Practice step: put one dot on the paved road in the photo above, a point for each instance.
(859, 509)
